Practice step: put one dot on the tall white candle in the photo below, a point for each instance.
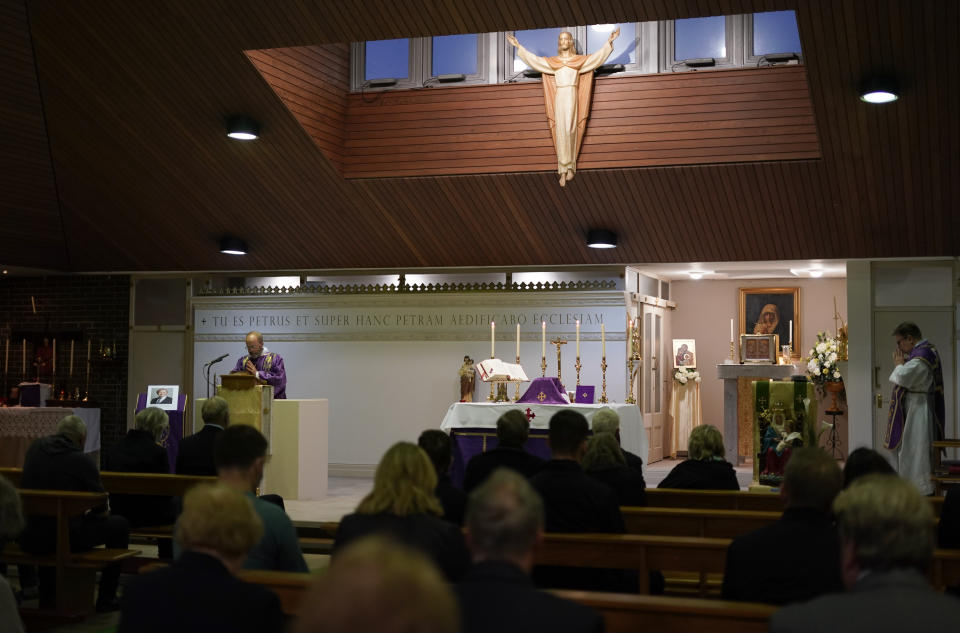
(88, 350)
(54, 369)
(518, 340)
(629, 338)
(731, 331)
(791, 331)
(493, 329)
(578, 338)
(603, 341)
(543, 339)
(71, 358)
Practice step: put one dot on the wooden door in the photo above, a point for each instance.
(654, 371)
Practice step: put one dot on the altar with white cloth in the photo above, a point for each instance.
(20, 426)
(473, 428)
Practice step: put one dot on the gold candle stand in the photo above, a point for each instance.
(543, 366)
(732, 357)
(603, 380)
(491, 397)
(517, 383)
(630, 398)
(577, 366)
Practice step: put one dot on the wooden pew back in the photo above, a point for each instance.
(706, 523)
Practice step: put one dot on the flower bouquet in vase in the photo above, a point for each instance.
(684, 375)
(822, 368)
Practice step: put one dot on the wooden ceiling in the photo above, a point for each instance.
(114, 156)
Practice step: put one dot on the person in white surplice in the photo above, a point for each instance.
(567, 97)
(916, 408)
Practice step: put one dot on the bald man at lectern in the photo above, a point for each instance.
(264, 364)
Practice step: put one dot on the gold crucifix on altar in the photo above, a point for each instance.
(558, 342)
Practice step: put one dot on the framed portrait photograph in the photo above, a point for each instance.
(771, 311)
(684, 353)
(163, 396)
(758, 349)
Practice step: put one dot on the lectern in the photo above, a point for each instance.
(250, 402)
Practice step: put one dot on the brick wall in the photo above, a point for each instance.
(94, 307)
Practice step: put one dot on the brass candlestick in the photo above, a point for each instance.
(577, 365)
(517, 394)
(491, 397)
(630, 398)
(543, 366)
(603, 380)
(558, 342)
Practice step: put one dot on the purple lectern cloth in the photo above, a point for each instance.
(584, 394)
(544, 391)
(172, 441)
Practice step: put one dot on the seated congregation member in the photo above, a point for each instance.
(705, 468)
(797, 557)
(513, 429)
(436, 444)
(402, 506)
(607, 421)
(504, 524)
(604, 462)
(57, 462)
(195, 455)
(240, 454)
(378, 585)
(199, 592)
(140, 452)
(887, 539)
(11, 522)
(948, 534)
(575, 502)
(865, 461)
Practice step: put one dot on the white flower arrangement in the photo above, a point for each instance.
(822, 361)
(684, 375)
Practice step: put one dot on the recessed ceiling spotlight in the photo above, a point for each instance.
(242, 128)
(698, 274)
(233, 246)
(601, 238)
(879, 90)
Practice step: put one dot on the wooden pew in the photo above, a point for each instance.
(945, 568)
(74, 573)
(706, 523)
(622, 613)
(625, 613)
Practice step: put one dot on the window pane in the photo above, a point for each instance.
(775, 32)
(700, 37)
(541, 42)
(387, 58)
(455, 54)
(625, 46)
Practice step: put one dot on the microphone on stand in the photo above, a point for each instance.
(208, 367)
(218, 359)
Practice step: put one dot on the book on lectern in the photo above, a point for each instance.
(496, 369)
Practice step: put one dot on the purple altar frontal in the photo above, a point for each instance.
(177, 430)
(473, 428)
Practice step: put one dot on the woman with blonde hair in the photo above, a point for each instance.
(402, 505)
(705, 468)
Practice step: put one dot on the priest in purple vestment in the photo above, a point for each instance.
(264, 364)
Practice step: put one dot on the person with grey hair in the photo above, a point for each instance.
(57, 462)
(797, 557)
(11, 522)
(608, 421)
(604, 462)
(504, 525)
(705, 468)
(195, 454)
(140, 451)
(887, 538)
(513, 429)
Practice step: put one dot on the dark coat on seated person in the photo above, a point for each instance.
(441, 540)
(702, 474)
(892, 601)
(573, 502)
(195, 456)
(197, 594)
(498, 597)
(633, 461)
(949, 530)
(626, 483)
(794, 559)
(481, 466)
(453, 500)
(138, 452)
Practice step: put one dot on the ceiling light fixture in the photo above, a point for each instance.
(242, 128)
(879, 90)
(816, 273)
(698, 274)
(233, 246)
(601, 238)
(603, 28)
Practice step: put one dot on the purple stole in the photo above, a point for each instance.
(897, 417)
